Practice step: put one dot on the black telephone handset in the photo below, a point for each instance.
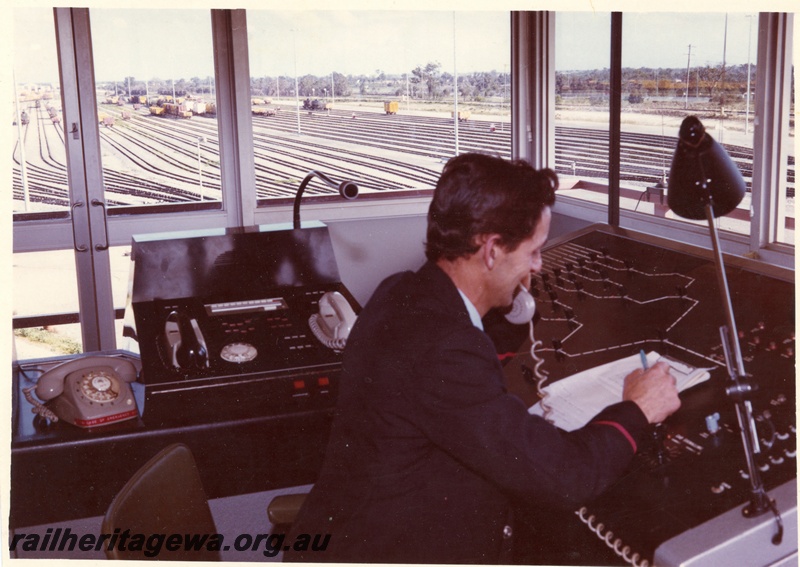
(88, 391)
(183, 343)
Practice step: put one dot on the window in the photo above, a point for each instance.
(39, 165)
(154, 75)
(81, 192)
(582, 104)
(370, 96)
(137, 152)
(674, 65)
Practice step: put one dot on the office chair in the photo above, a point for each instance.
(165, 496)
(283, 509)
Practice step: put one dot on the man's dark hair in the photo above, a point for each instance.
(482, 194)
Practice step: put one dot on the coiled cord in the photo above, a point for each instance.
(38, 407)
(540, 374)
(614, 543)
(335, 344)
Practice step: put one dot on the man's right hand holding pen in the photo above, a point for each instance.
(653, 390)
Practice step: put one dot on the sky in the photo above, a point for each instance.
(176, 43)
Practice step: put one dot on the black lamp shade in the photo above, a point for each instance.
(702, 172)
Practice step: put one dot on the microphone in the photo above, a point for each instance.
(347, 189)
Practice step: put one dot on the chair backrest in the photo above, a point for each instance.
(165, 498)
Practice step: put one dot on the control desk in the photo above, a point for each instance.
(605, 294)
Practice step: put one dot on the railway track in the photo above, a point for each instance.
(150, 159)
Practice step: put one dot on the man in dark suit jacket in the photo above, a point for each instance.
(428, 450)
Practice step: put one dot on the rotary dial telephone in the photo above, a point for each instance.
(88, 391)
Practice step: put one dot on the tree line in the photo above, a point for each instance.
(430, 82)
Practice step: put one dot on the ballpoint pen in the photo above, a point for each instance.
(644, 359)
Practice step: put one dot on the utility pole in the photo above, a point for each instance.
(749, 43)
(688, 66)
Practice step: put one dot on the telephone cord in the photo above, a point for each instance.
(335, 344)
(540, 374)
(614, 543)
(38, 407)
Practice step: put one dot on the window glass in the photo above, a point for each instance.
(45, 283)
(39, 164)
(786, 195)
(32, 272)
(680, 64)
(582, 104)
(156, 106)
(370, 96)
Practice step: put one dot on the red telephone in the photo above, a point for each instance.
(87, 392)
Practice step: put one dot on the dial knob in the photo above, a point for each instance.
(238, 352)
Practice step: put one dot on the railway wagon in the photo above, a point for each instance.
(316, 104)
(105, 119)
(264, 112)
(195, 106)
(391, 106)
(178, 110)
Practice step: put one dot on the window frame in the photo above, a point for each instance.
(771, 111)
(533, 139)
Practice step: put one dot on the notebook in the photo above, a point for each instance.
(576, 399)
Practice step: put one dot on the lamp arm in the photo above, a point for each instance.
(722, 280)
(759, 501)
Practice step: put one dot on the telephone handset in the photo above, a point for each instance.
(523, 308)
(334, 321)
(522, 311)
(183, 343)
(87, 391)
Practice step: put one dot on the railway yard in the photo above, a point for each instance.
(150, 159)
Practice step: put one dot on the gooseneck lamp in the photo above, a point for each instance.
(347, 189)
(705, 183)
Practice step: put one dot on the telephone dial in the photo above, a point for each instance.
(88, 391)
(335, 320)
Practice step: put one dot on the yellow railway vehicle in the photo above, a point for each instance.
(391, 106)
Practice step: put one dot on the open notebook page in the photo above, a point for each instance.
(576, 399)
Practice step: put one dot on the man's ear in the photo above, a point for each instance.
(489, 248)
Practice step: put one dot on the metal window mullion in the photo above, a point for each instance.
(232, 71)
(533, 87)
(772, 95)
(85, 179)
(615, 116)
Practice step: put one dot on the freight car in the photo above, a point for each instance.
(391, 106)
(316, 104)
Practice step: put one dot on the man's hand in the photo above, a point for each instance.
(653, 391)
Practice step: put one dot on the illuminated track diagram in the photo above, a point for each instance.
(634, 307)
